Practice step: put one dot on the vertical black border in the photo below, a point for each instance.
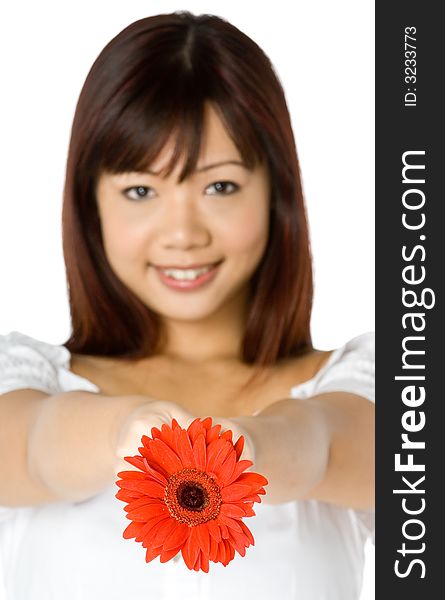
(399, 129)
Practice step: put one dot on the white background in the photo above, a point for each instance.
(323, 52)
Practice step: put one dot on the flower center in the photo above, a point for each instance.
(192, 497)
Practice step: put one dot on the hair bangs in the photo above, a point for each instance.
(149, 123)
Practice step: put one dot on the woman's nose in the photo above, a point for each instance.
(182, 226)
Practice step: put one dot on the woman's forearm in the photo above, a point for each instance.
(291, 439)
(71, 444)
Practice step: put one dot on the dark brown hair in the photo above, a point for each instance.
(153, 79)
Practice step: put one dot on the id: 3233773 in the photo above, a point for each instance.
(410, 66)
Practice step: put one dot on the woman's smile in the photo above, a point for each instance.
(187, 279)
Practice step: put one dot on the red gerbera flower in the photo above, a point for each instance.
(190, 494)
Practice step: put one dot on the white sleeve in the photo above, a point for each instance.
(25, 364)
(350, 369)
(353, 369)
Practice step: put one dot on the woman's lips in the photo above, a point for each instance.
(201, 266)
(188, 284)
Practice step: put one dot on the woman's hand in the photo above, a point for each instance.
(156, 412)
(140, 422)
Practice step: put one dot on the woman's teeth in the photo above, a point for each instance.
(186, 274)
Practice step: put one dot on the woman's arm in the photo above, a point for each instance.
(321, 448)
(76, 441)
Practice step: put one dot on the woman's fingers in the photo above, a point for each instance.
(154, 414)
(141, 421)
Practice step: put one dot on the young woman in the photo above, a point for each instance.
(190, 285)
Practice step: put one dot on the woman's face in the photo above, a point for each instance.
(219, 214)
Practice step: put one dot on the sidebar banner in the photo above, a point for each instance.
(410, 360)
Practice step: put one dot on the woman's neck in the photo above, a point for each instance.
(215, 339)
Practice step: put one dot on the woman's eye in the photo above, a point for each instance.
(222, 187)
(139, 192)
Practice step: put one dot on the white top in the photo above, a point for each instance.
(304, 550)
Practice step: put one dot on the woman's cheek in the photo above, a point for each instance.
(126, 238)
(249, 233)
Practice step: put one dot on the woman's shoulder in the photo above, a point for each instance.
(26, 362)
(359, 348)
(350, 367)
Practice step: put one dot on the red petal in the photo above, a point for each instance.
(156, 433)
(230, 551)
(207, 422)
(213, 554)
(194, 429)
(199, 452)
(146, 440)
(145, 513)
(176, 436)
(133, 530)
(152, 553)
(217, 453)
(225, 470)
(231, 510)
(231, 523)
(161, 532)
(130, 484)
(150, 528)
(222, 550)
(224, 530)
(131, 475)
(203, 537)
(240, 466)
(227, 435)
(168, 554)
(214, 530)
(177, 537)
(247, 532)
(239, 446)
(253, 479)
(212, 434)
(252, 498)
(136, 461)
(204, 562)
(237, 543)
(154, 473)
(144, 501)
(234, 492)
(197, 564)
(154, 464)
(127, 496)
(185, 551)
(190, 550)
(241, 537)
(150, 488)
(166, 457)
(168, 436)
(213, 450)
(186, 450)
(249, 510)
